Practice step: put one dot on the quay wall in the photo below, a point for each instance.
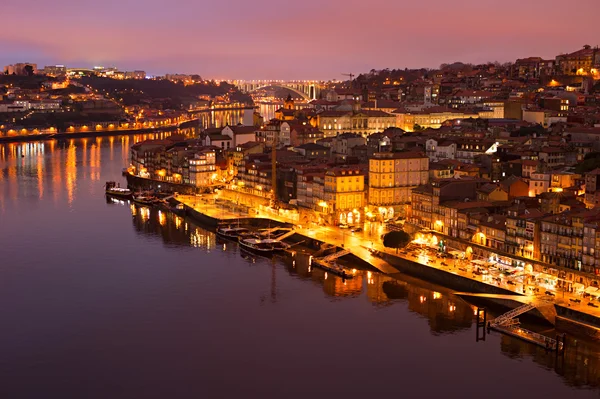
(143, 184)
(567, 319)
(458, 283)
(442, 277)
(577, 322)
(31, 135)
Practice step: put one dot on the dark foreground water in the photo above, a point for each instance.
(108, 300)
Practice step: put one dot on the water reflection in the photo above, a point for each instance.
(58, 167)
(71, 173)
(444, 312)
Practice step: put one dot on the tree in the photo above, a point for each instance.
(28, 69)
(396, 239)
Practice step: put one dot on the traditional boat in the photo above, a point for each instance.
(114, 189)
(232, 233)
(263, 247)
(145, 200)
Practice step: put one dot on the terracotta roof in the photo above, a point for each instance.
(488, 188)
(399, 155)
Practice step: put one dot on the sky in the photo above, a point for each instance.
(306, 39)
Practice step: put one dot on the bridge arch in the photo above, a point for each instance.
(283, 86)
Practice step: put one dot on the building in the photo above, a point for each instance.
(342, 144)
(539, 182)
(239, 134)
(468, 151)
(522, 232)
(561, 238)
(302, 134)
(592, 188)
(345, 195)
(583, 62)
(440, 149)
(492, 192)
(426, 209)
(363, 122)
(492, 232)
(311, 150)
(392, 177)
(135, 75)
(515, 187)
(202, 168)
(21, 68)
(175, 160)
(55, 70)
(432, 117)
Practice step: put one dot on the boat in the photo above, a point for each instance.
(333, 268)
(232, 233)
(256, 245)
(115, 190)
(265, 247)
(277, 245)
(145, 200)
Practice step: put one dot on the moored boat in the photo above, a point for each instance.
(232, 233)
(265, 247)
(257, 246)
(145, 200)
(114, 189)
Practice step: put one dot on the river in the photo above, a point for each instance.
(106, 299)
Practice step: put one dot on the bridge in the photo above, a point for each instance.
(307, 89)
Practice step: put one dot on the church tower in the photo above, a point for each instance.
(289, 103)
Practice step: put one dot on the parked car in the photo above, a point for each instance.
(357, 229)
(343, 226)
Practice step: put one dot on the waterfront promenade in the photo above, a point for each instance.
(363, 244)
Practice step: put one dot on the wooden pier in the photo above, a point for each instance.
(508, 324)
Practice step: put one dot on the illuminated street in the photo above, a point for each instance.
(421, 250)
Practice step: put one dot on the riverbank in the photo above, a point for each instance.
(586, 324)
(93, 133)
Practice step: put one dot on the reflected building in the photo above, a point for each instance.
(333, 285)
(172, 229)
(445, 312)
(579, 367)
(59, 166)
(375, 291)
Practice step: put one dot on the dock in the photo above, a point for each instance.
(327, 263)
(509, 324)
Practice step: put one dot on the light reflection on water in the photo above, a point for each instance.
(102, 292)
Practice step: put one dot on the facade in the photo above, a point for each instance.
(428, 209)
(429, 118)
(345, 195)
(468, 151)
(363, 122)
(392, 176)
(440, 149)
(583, 62)
(342, 144)
(174, 160)
(20, 68)
(312, 151)
(492, 192)
(239, 134)
(592, 188)
(202, 168)
(522, 232)
(55, 70)
(135, 75)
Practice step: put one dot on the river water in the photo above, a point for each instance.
(103, 299)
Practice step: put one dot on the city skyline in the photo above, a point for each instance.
(268, 40)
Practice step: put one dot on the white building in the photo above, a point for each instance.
(239, 134)
(438, 150)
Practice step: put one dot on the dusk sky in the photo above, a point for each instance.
(308, 39)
